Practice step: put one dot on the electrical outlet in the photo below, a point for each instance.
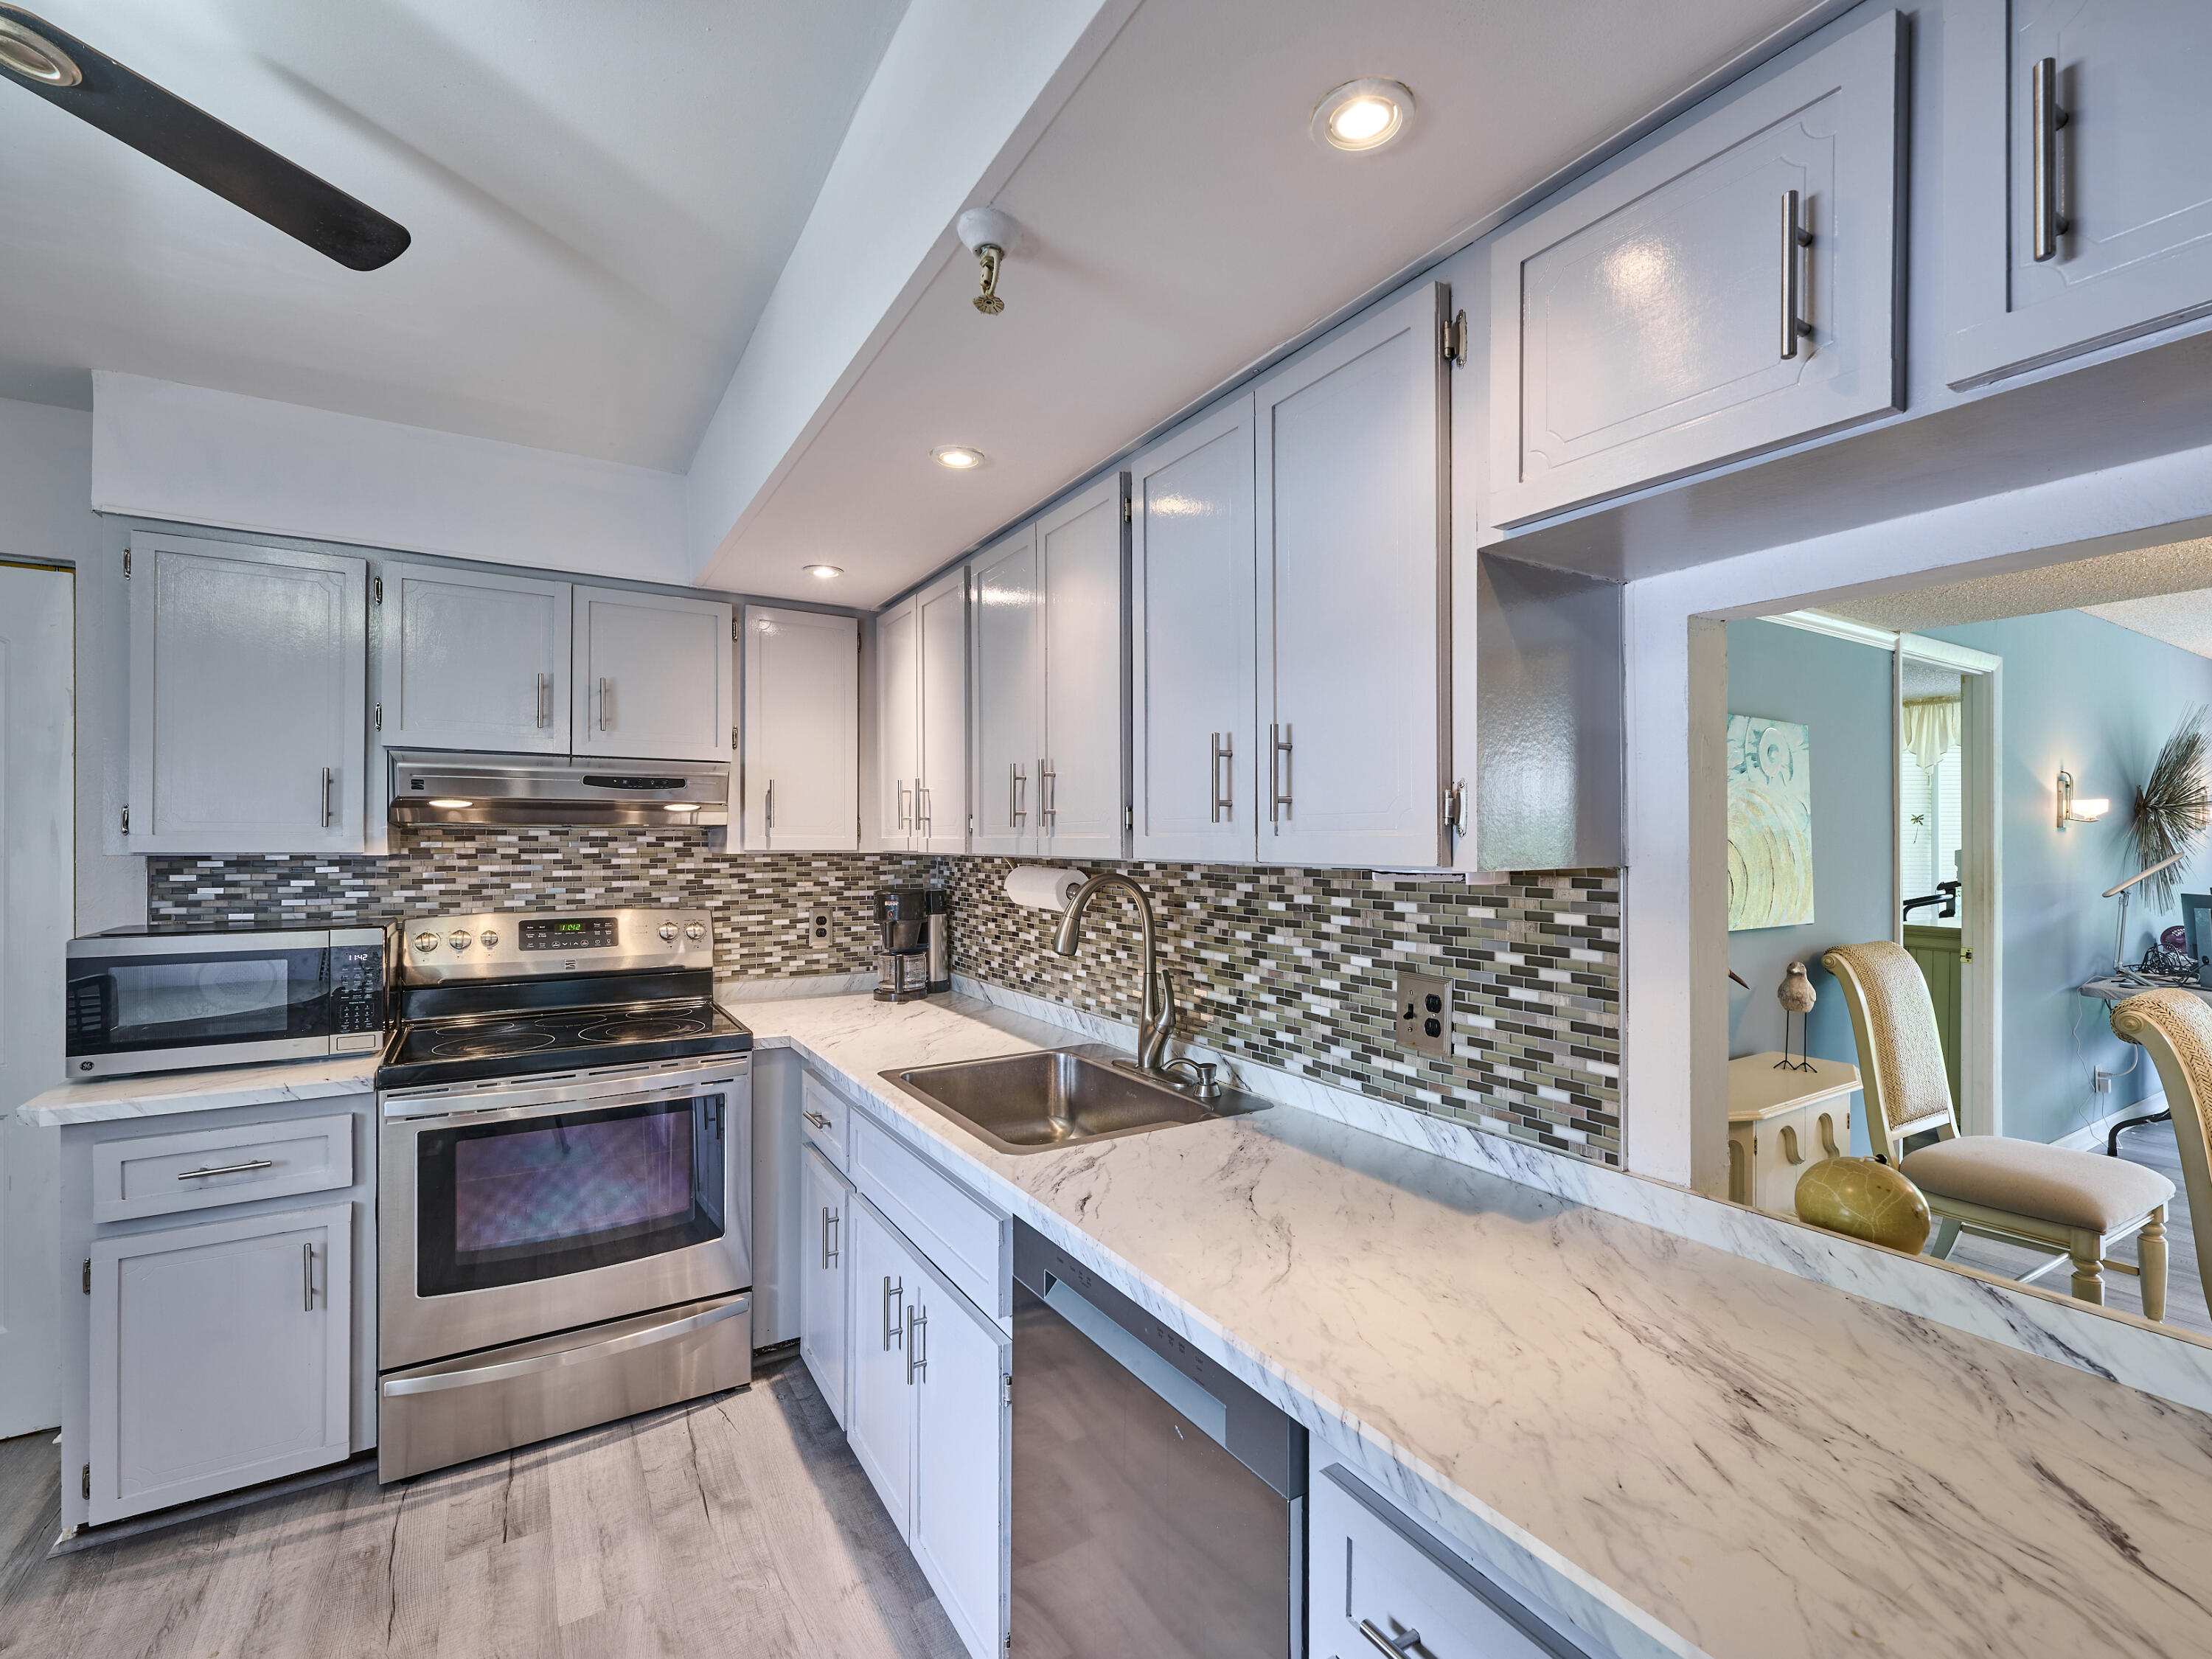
(817, 925)
(2102, 1083)
(1424, 1010)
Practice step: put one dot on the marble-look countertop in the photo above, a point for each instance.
(160, 1094)
(1691, 1451)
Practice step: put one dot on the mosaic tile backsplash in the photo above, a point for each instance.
(1293, 969)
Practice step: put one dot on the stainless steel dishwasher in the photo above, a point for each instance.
(1158, 1503)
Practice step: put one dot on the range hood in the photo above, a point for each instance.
(442, 786)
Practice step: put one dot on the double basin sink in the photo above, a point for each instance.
(1054, 1098)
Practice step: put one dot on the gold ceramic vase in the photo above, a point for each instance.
(1866, 1199)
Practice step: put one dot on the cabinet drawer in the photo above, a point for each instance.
(1370, 1565)
(963, 1238)
(824, 1114)
(161, 1174)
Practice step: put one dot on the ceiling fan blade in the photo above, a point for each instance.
(123, 103)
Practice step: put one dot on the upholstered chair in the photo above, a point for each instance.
(2017, 1192)
(2176, 1027)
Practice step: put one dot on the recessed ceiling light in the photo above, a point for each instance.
(1362, 115)
(828, 572)
(958, 457)
(452, 806)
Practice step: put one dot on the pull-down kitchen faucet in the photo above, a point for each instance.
(1156, 1004)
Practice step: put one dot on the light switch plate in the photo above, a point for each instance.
(1425, 1009)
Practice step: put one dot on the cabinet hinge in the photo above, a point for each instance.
(126, 820)
(126, 564)
(1454, 341)
(378, 707)
(84, 1483)
(1128, 511)
(376, 589)
(1006, 1387)
(733, 739)
(88, 1275)
(1129, 817)
(734, 624)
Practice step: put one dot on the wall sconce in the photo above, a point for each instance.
(990, 235)
(2086, 809)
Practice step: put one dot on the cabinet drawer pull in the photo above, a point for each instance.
(829, 1237)
(1397, 1647)
(227, 1169)
(893, 1294)
(1222, 777)
(1795, 238)
(817, 1120)
(2045, 118)
(307, 1278)
(917, 1344)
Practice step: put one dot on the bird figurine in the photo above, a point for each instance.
(1796, 995)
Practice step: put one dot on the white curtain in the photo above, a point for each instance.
(1931, 729)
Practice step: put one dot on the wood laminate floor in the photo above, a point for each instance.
(2154, 1147)
(737, 1525)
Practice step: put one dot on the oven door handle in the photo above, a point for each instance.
(589, 1353)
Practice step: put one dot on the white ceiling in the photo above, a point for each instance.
(2182, 619)
(600, 196)
(2129, 582)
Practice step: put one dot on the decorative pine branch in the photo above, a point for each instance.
(2173, 808)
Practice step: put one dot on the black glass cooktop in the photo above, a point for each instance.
(470, 1048)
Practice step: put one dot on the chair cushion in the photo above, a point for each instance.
(2050, 1183)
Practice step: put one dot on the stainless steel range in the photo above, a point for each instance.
(565, 1193)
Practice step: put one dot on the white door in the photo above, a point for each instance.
(249, 717)
(466, 660)
(1635, 326)
(898, 725)
(35, 837)
(2130, 177)
(823, 1315)
(1009, 686)
(963, 1469)
(1353, 538)
(653, 678)
(879, 1411)
(221, 1356)
(1081, 799)
(942, 632)
(802, 730)
(1194, 749)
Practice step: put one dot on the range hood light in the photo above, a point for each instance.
(453, 805)
(679, 806)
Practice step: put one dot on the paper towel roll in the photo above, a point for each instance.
(1041, 887)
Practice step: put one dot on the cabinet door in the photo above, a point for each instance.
(466, 660)
(1081, 798)
(1194, 751)
(802, 783)
(1635, 326)
(653, 678)
(963, 1473)
(249, 720)
(1354, 538)
(823, 1316)
(942, 636)
(898, 724)
(2131, 178)
(879, 1411)
(221, 1356)
(1008, 678)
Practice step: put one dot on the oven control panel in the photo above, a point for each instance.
(508, 944)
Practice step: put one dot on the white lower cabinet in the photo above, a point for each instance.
(963, 1447)
(879, 1419)
(824, 1224)
(220, 1356)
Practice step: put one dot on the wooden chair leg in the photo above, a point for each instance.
(2088, 1250)
(1947, 1236)
(2150, 1256)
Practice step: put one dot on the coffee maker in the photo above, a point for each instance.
(903, 949)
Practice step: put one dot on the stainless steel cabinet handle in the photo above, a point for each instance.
(923, 818)
(1278, 772)
(1795, 238)
(1048, 794)
(902, 805)
(893, 1295)
(307, 1278)
(328, 813)
(545, 700)
(768, 807)
(2045, 118)
(606, 689)
(1017, 780)
(227, 1169)
(1397, 1647)
(829, 1237)
(817, 1120)
(1221, 776)
(917, 1343)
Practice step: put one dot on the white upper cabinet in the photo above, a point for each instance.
(898, 725)
(1665, 318)
(654, 676)
(941, 720)
(1354, 532)
(470, 661)
(802, 774)
(1195, 750)
(248, 722)
(2080, 215)
(1008, 669)
(1081, 796)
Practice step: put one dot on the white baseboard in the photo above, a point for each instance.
(2090, 1137)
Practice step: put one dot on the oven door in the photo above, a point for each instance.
(536, 1211)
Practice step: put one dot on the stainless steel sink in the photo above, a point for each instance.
(1051, 1097)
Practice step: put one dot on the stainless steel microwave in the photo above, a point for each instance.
(141, 1001)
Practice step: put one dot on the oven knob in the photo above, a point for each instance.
(426, 941)
(487, 938)
(668, 931)
(694, 930)
(458, 939)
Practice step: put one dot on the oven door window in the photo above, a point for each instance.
(184, 1001)
(505, 1203)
